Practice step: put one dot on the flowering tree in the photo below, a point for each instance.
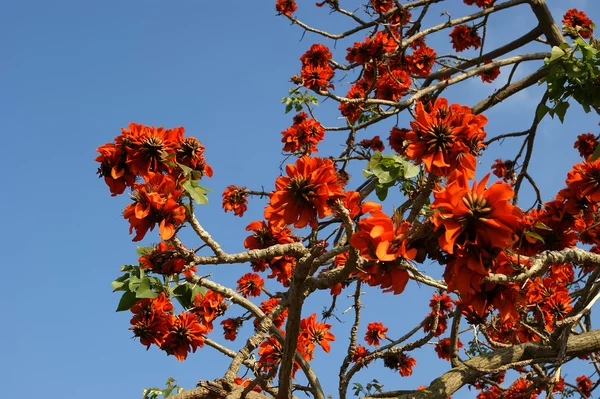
(512, 285)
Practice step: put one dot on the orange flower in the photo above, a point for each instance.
(392, 86)
(156, 201)
(208, 307)
(148, 147)
(401, 362)
(421, 61)
(234, 199)
(286, 7)
(586, 144)
(317, 77)
(442, 348)
(163, 259)
(375, 332)
(250, 284)
(378, 239)
(152, 320)
(576, 23)
(446, 138)
(186, 333)
(584, 384)
(353, 110)
(304, 194)
(584, 181)
(303, 136)
(191, 154)
(113, 168)
(313, 332)
(267, 307)
(230, 328)
(489, 75)
(478, 215)
(360, 353)
(464, 37)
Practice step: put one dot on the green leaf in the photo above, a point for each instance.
(196, 192)
(410, 170)
(142, 250)
(595, 155)
(535, 235)
(381, 191)
(120, 284)
(127, 301)
(561, 110)
(541, 111)
(144, 290)
(542, 226)
(186, 169)
(556, 53)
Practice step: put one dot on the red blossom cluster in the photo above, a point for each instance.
(400, 361)
(489, 75)
(444, 138)
(165, 259)
(267, 234)
(286, 7)
(374, 144)
(303, 136)
(443, 348)
(154, 323)
(479, 3)
(316, 72)
(375, 333)
(586, 144)
(312, 333)
(235, 199)
(445, 308)
(305, 194)
(158, 157)
(464, 37)
(576, 23)
(505, 170)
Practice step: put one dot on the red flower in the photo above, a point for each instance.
(504, 170)
(352, 110)
(156, 201)
(191, 154)
(584, 181)
(317, 77)
(303, 136)
(208, 307)
(382, 6)
(397, 139)
(164, 259)
(234, 199)
(318, 55)
(286, 7)
(360, 353)
(374, 144)
(576, 23)
(489, 75)
(478, 215)
(421, 61)
(305, 194)
(152, 320)
(584, 384)
(442, 348)
(392, 86)
(230, 328)
(186, 333)
(586, 144)
(250, 285)
(401, 362)
(375, 332)
(267, 307)
(314, 333)
(446, 138)
(464, 37)
(479, 3)
(113, 168)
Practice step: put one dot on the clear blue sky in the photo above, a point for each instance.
(75, 72)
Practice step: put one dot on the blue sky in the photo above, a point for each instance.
(75, 72)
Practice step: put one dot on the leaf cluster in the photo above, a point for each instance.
(390, 170)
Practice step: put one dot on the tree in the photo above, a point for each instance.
(518, 282)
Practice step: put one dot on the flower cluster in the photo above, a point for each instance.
(316, 72)
(576, 23)
(164, 259)
(464, 37)
(401, 362)
(158, 157)
(154, 323)
(235, 199)
(303, 136)
(489, 75)
(286, 7)
(479, 3)
(305, 194)
(445, 138)
(375, 333)
(586, 144)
